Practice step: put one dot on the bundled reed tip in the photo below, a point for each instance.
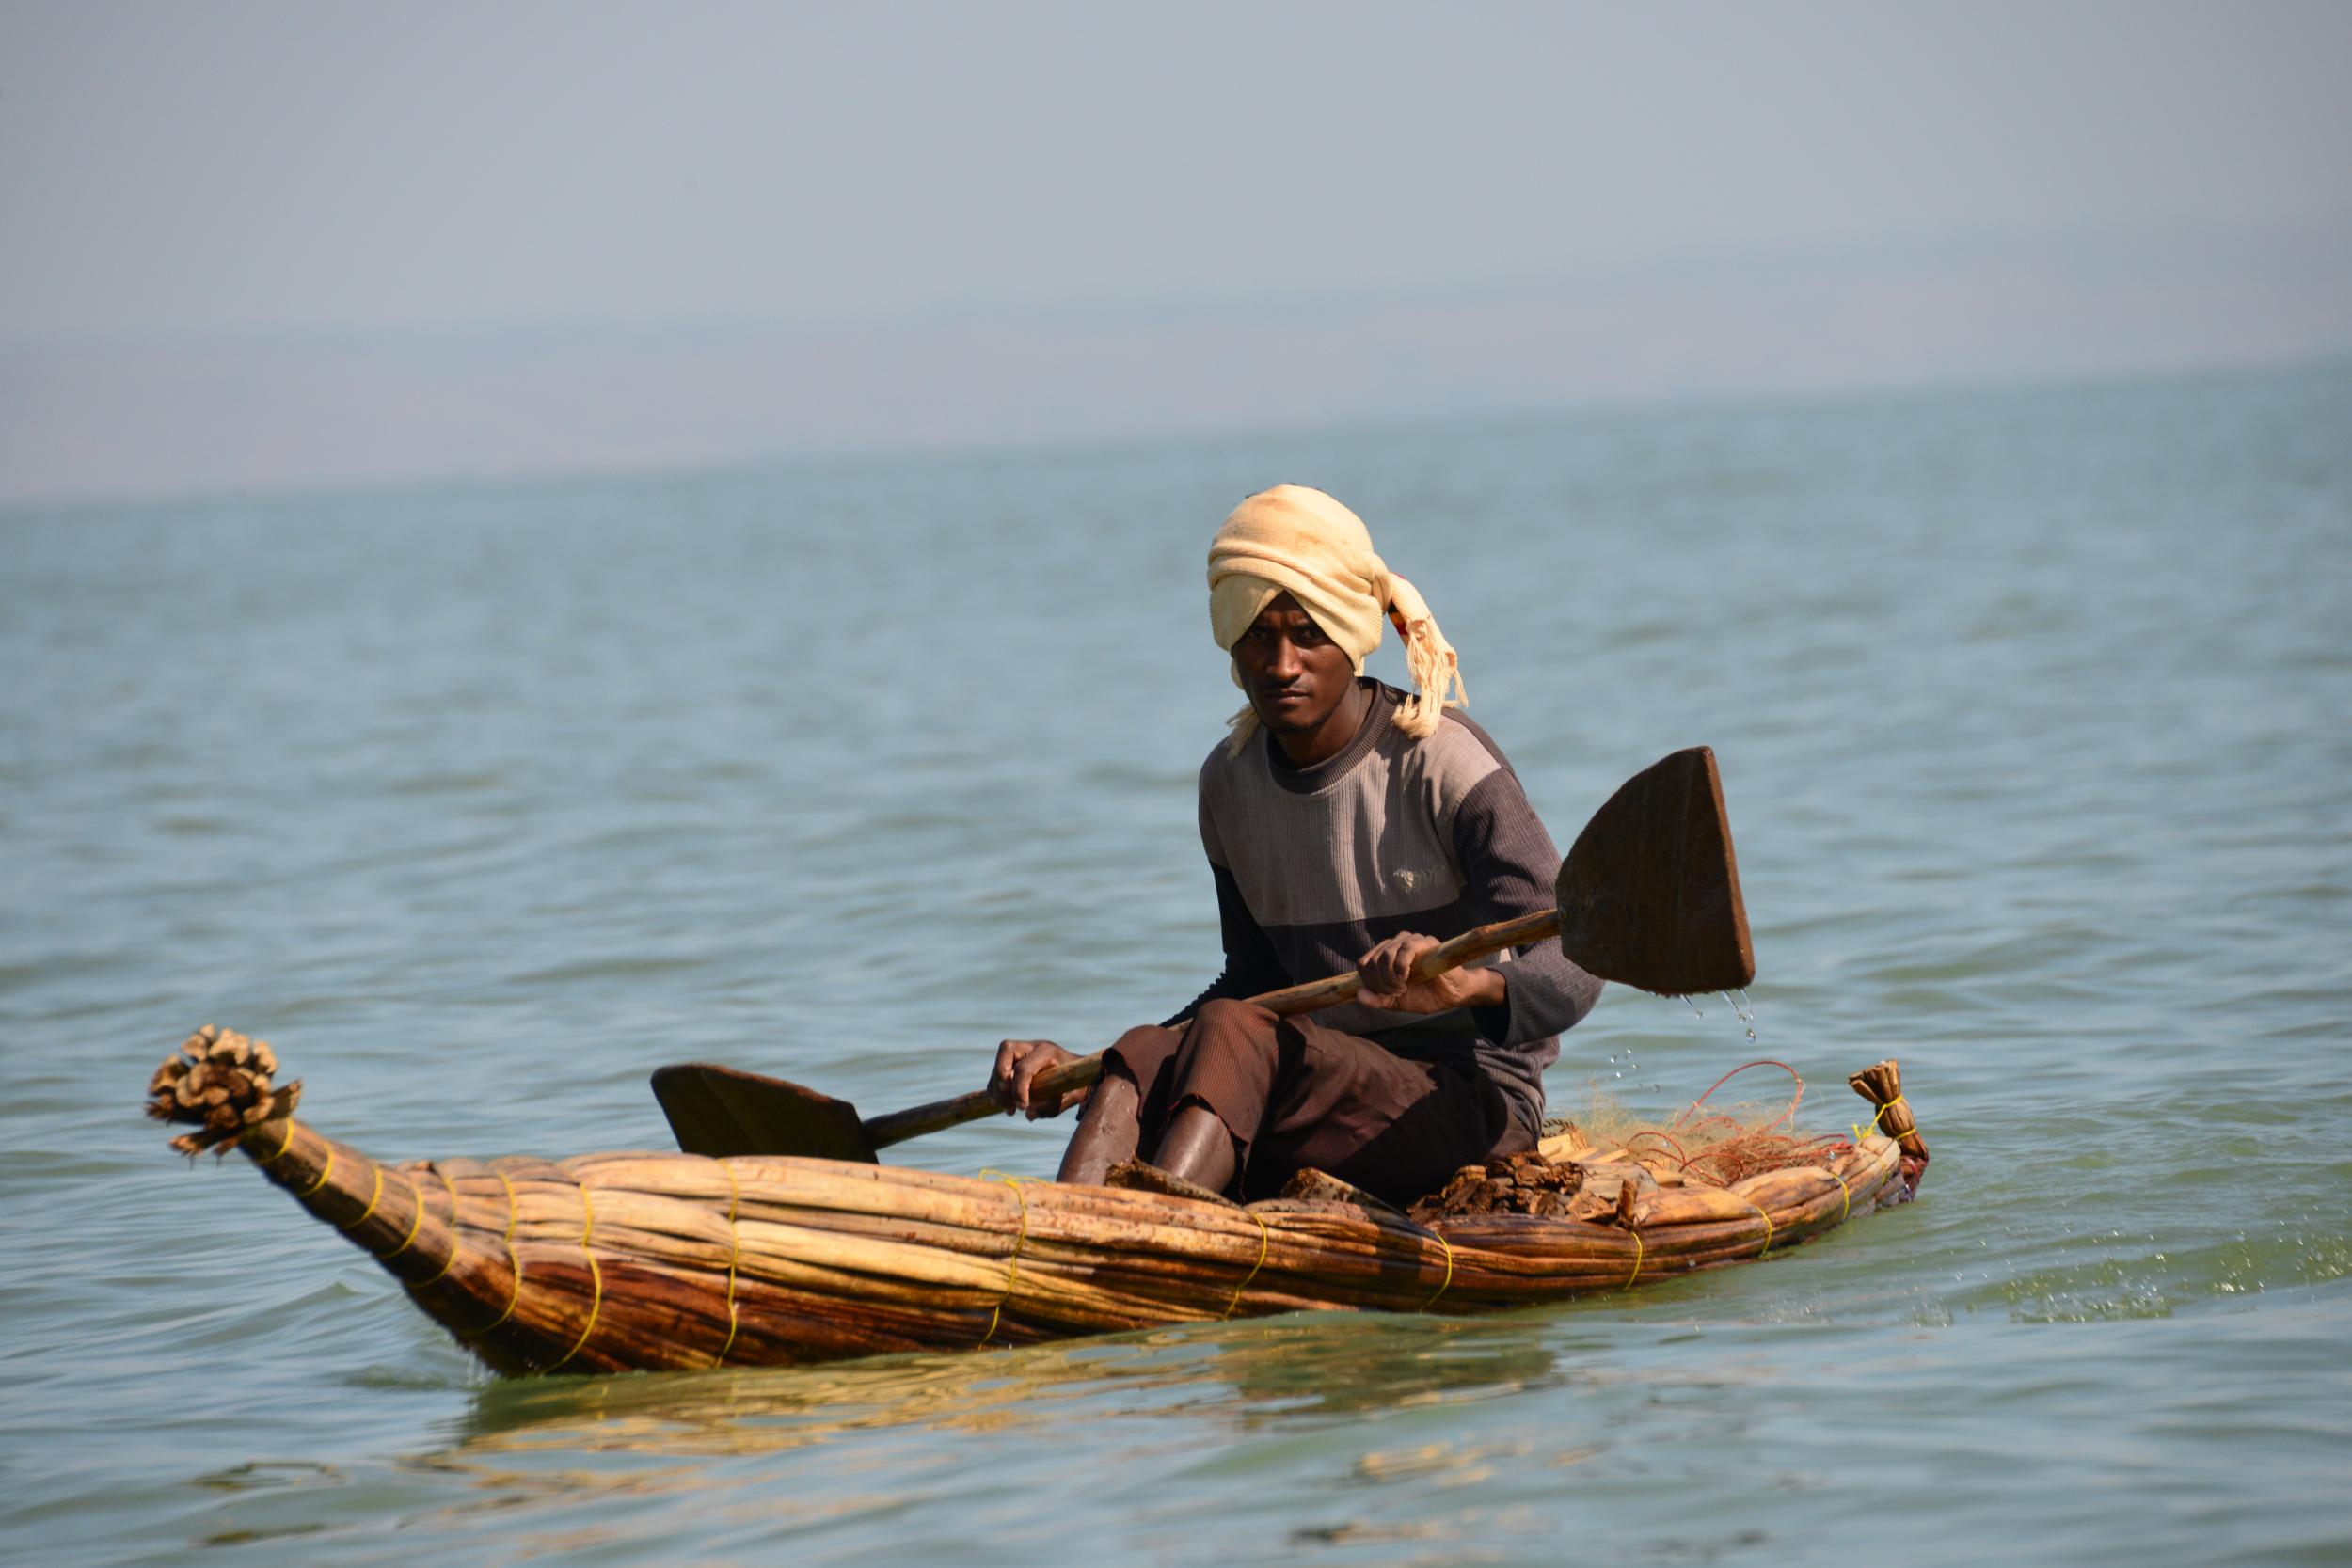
(1882, 1084)
(219, 1081)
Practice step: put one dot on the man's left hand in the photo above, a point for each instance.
(1389, 982)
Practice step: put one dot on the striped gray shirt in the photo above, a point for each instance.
(1315, 866)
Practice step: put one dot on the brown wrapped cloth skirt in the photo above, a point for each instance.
(1296, 1095)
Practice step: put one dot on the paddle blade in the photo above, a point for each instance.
(720, 1111)
(1650, 894)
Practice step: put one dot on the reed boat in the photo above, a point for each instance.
(657, 1261)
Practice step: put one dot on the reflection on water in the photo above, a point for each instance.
(1388, 1406)
(1298, 1369)
(596, 1465)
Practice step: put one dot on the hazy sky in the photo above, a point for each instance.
(209, 183)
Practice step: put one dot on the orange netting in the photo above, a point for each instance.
(1717, 1147)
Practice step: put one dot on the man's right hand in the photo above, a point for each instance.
(1019, 1062)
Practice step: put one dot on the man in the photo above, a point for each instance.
(1348, 824)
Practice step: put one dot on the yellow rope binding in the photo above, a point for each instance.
(414, 1226)
(1012, 1269)
(374, 1198)
(735, 1254)
(1265, 1244)
(1768, 1225)
(1637, 1259)
(596, 1281)
(283, 1143)
(513, 1264)
(1845, 1196)
(1449, 1270)
(325, 1171)
(1881, 1131)
(451, 1261)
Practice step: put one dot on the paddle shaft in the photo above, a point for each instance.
(899, 1126)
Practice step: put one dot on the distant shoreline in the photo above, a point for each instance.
(97, 429)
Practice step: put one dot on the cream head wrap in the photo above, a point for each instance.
(1300, 541)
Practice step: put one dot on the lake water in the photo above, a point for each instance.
(2032, 706)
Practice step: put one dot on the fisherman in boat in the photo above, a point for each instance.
(1347, 825)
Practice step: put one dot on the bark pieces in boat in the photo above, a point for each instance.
(1515, 1185)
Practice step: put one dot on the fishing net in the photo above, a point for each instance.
(1704, 1144)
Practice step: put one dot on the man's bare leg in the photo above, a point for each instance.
(1109, 1130)
(1197, 1149)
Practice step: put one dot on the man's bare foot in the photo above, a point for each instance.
(1197, 1149)
(1108, 1131)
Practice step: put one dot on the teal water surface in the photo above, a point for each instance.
(480, 802)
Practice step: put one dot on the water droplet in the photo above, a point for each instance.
(1744, 1011)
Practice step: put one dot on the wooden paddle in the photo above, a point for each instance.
(1648, 897)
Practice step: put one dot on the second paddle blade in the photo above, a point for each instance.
(1650, 894)
(721, 1110)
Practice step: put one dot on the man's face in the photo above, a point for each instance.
(1296, 676)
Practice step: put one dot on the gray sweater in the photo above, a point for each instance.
(1315, 866)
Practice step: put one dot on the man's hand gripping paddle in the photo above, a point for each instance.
(1648, 897)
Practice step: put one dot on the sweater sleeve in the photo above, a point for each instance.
(1251, 966)
(1508, 864)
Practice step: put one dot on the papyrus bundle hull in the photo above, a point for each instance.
(645, 1261)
